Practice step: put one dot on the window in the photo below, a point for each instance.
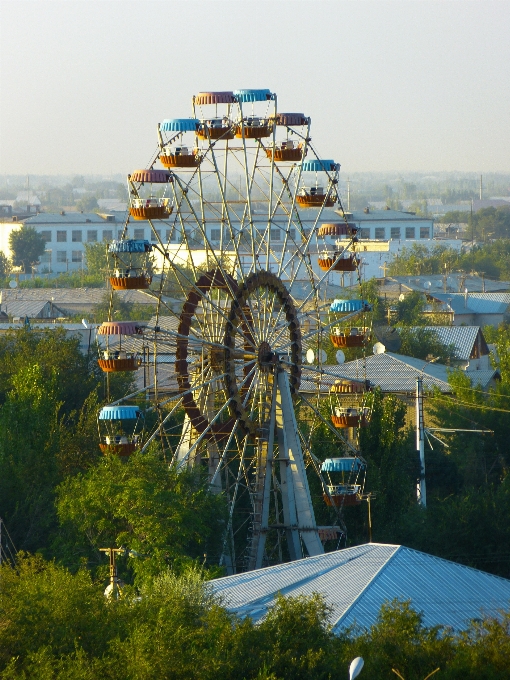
(424, 232)
(275, 234)
(46, 235)
(364, 234)
(92, 235)
(61, 256)
(395, 232)
(410, 232)
(292, 234)
(119, 234)
(169, 235)
(76, 236)
(154, 237)
(61, 236)
(46, 257)
(107, 235)
(215, 234)
(139, 234)
(77, 256)
(379, 232)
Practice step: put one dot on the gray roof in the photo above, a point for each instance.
(61, 296)
(66, 219)
(434, 283)
(355, 582)
(475, 303)
(31, 308)
(390, 372)
(462, 337)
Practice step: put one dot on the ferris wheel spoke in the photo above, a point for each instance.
(330, 427)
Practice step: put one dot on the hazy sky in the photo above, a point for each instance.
(390, 85)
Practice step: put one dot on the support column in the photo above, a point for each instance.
(296, 470)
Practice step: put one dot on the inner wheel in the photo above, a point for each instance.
(200, 353)
(263, 304)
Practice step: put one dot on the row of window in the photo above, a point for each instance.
(62, 257)
(395, 233)
(92, 235)
(276, 235)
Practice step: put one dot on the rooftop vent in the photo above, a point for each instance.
(366, 210)
(62, 212)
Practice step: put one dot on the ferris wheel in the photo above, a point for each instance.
(234, 215)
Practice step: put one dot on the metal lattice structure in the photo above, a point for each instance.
(235, 217)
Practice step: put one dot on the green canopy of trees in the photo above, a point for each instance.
(27, 246)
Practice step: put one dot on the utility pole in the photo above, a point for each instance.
(421, 489)
(348, 194)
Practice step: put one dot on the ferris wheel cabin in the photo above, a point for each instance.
(117, 360)
(345, 486)
(120, 430)
(150, 208)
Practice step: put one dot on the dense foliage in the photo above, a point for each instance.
(489, 259)
(58, 626)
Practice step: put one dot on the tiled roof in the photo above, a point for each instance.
(355, 582)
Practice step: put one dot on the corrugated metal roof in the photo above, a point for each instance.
(356, 581)
(32, 308)
(462, 337)
(475, 303)
(390, 372)
(455, 282)
(62, 296)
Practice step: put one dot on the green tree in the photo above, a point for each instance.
(27, 246)
(96, 259)
(423, 343)
(5, 266)
(145, 505)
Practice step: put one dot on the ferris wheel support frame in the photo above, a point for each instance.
(299, 518)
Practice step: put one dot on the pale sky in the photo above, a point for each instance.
(401, 85)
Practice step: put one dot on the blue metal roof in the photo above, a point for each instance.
(253, 95)
(120, 413)
(356, 581)
(342, 465)
(130, 246)
(323, 165)
(179, 125)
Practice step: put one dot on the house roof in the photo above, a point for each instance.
(462, 337)
(475, 303)
(390, 372)
(30, 308)
(65, 219)
(355, 582)
(62, 296)
(434, 283)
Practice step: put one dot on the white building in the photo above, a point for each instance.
(382, 233)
